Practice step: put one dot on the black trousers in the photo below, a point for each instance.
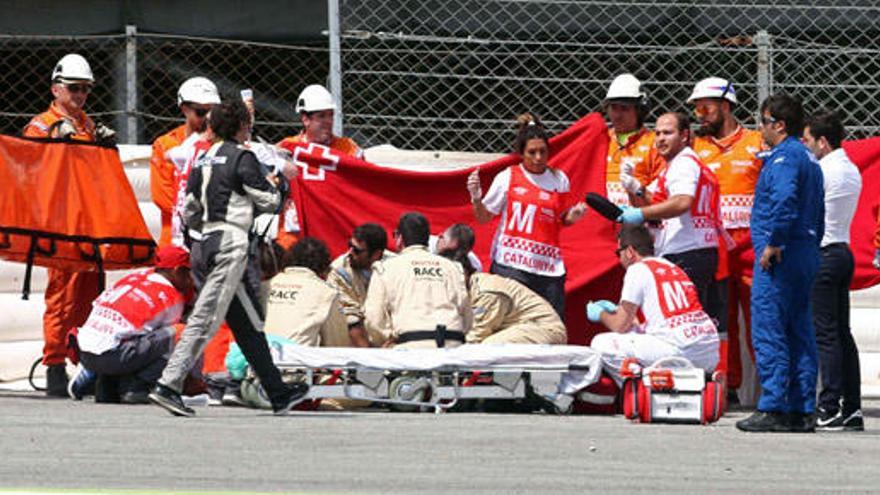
(224, 266)
(838, 355)
(550, 288)
(701, 266)
(143, 355)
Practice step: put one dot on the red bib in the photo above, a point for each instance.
(675, 291)
(529, 237)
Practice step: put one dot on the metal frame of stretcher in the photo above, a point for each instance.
(438, 389)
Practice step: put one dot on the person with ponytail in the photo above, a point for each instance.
(534, 203)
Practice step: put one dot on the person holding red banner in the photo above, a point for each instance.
(633, 161)
(731, 152)
(68, 295)
(195, 98)
(534, 203)
(674, 322)
(316, 108)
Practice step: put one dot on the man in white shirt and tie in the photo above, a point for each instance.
(839, 405)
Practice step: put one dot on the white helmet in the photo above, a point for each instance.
(713, 87)
(198, 90)
(625, 86)
(314, 98)
(72, 68)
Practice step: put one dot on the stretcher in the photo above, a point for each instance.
(437, 379)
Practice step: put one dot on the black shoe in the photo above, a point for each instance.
(82, 383)
(56, 381)
(762, 422)
(169, 400)
(295, 394)
(135, 397)
(838, 422)
(107, 389)
(801, 423)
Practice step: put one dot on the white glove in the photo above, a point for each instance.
(629, 183)
(104, 134)
(64, 130)
(474, 187)
(288, 169)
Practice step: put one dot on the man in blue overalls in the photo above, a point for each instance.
(787, 225)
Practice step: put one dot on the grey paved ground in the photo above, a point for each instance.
(62, 444)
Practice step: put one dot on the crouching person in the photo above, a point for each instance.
(675, 323)
(129, 334)
(506, 311)
(302, 306)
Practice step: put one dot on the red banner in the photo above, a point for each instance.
(336, 193)
(865, 153)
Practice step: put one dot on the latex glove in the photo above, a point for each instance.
(596, 308)
(473, 186)
(631, 215)
(630, 183)
(877, 259)
(576, 212)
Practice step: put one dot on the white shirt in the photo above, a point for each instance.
(641, 289)
(843, 183)
(677, 234)
(550, 180)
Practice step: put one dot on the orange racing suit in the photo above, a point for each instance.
(163, 180)
(68, 295)
(734, 161)
(638, 148)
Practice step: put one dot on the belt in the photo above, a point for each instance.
(440, 335)
(834, 245)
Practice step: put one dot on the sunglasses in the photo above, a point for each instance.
(354, 249)
(200, 112)
(78, 88)
(620, 250)
(766, 120)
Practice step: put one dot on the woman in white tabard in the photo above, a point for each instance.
(534, 203)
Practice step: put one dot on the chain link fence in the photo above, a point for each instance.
(137, 76)
(453, 74)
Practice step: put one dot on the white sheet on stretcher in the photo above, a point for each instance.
(526, 357)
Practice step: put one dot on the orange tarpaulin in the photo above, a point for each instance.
(69, 205)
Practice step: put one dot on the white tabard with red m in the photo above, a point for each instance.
(528, 235)
(139, 302)
(668, 301)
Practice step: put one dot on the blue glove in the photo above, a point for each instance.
(631, 215)
(595, 309)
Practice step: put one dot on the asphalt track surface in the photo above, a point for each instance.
(52, 445)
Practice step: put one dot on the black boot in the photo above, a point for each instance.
(802, 423)
(763, 422)
(56, 381)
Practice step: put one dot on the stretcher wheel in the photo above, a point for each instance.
(409, 388)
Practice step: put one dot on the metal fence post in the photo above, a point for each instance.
(762, 41)
(335, 63)
(131, 96)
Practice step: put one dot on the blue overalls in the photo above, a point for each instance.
(789, 212)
